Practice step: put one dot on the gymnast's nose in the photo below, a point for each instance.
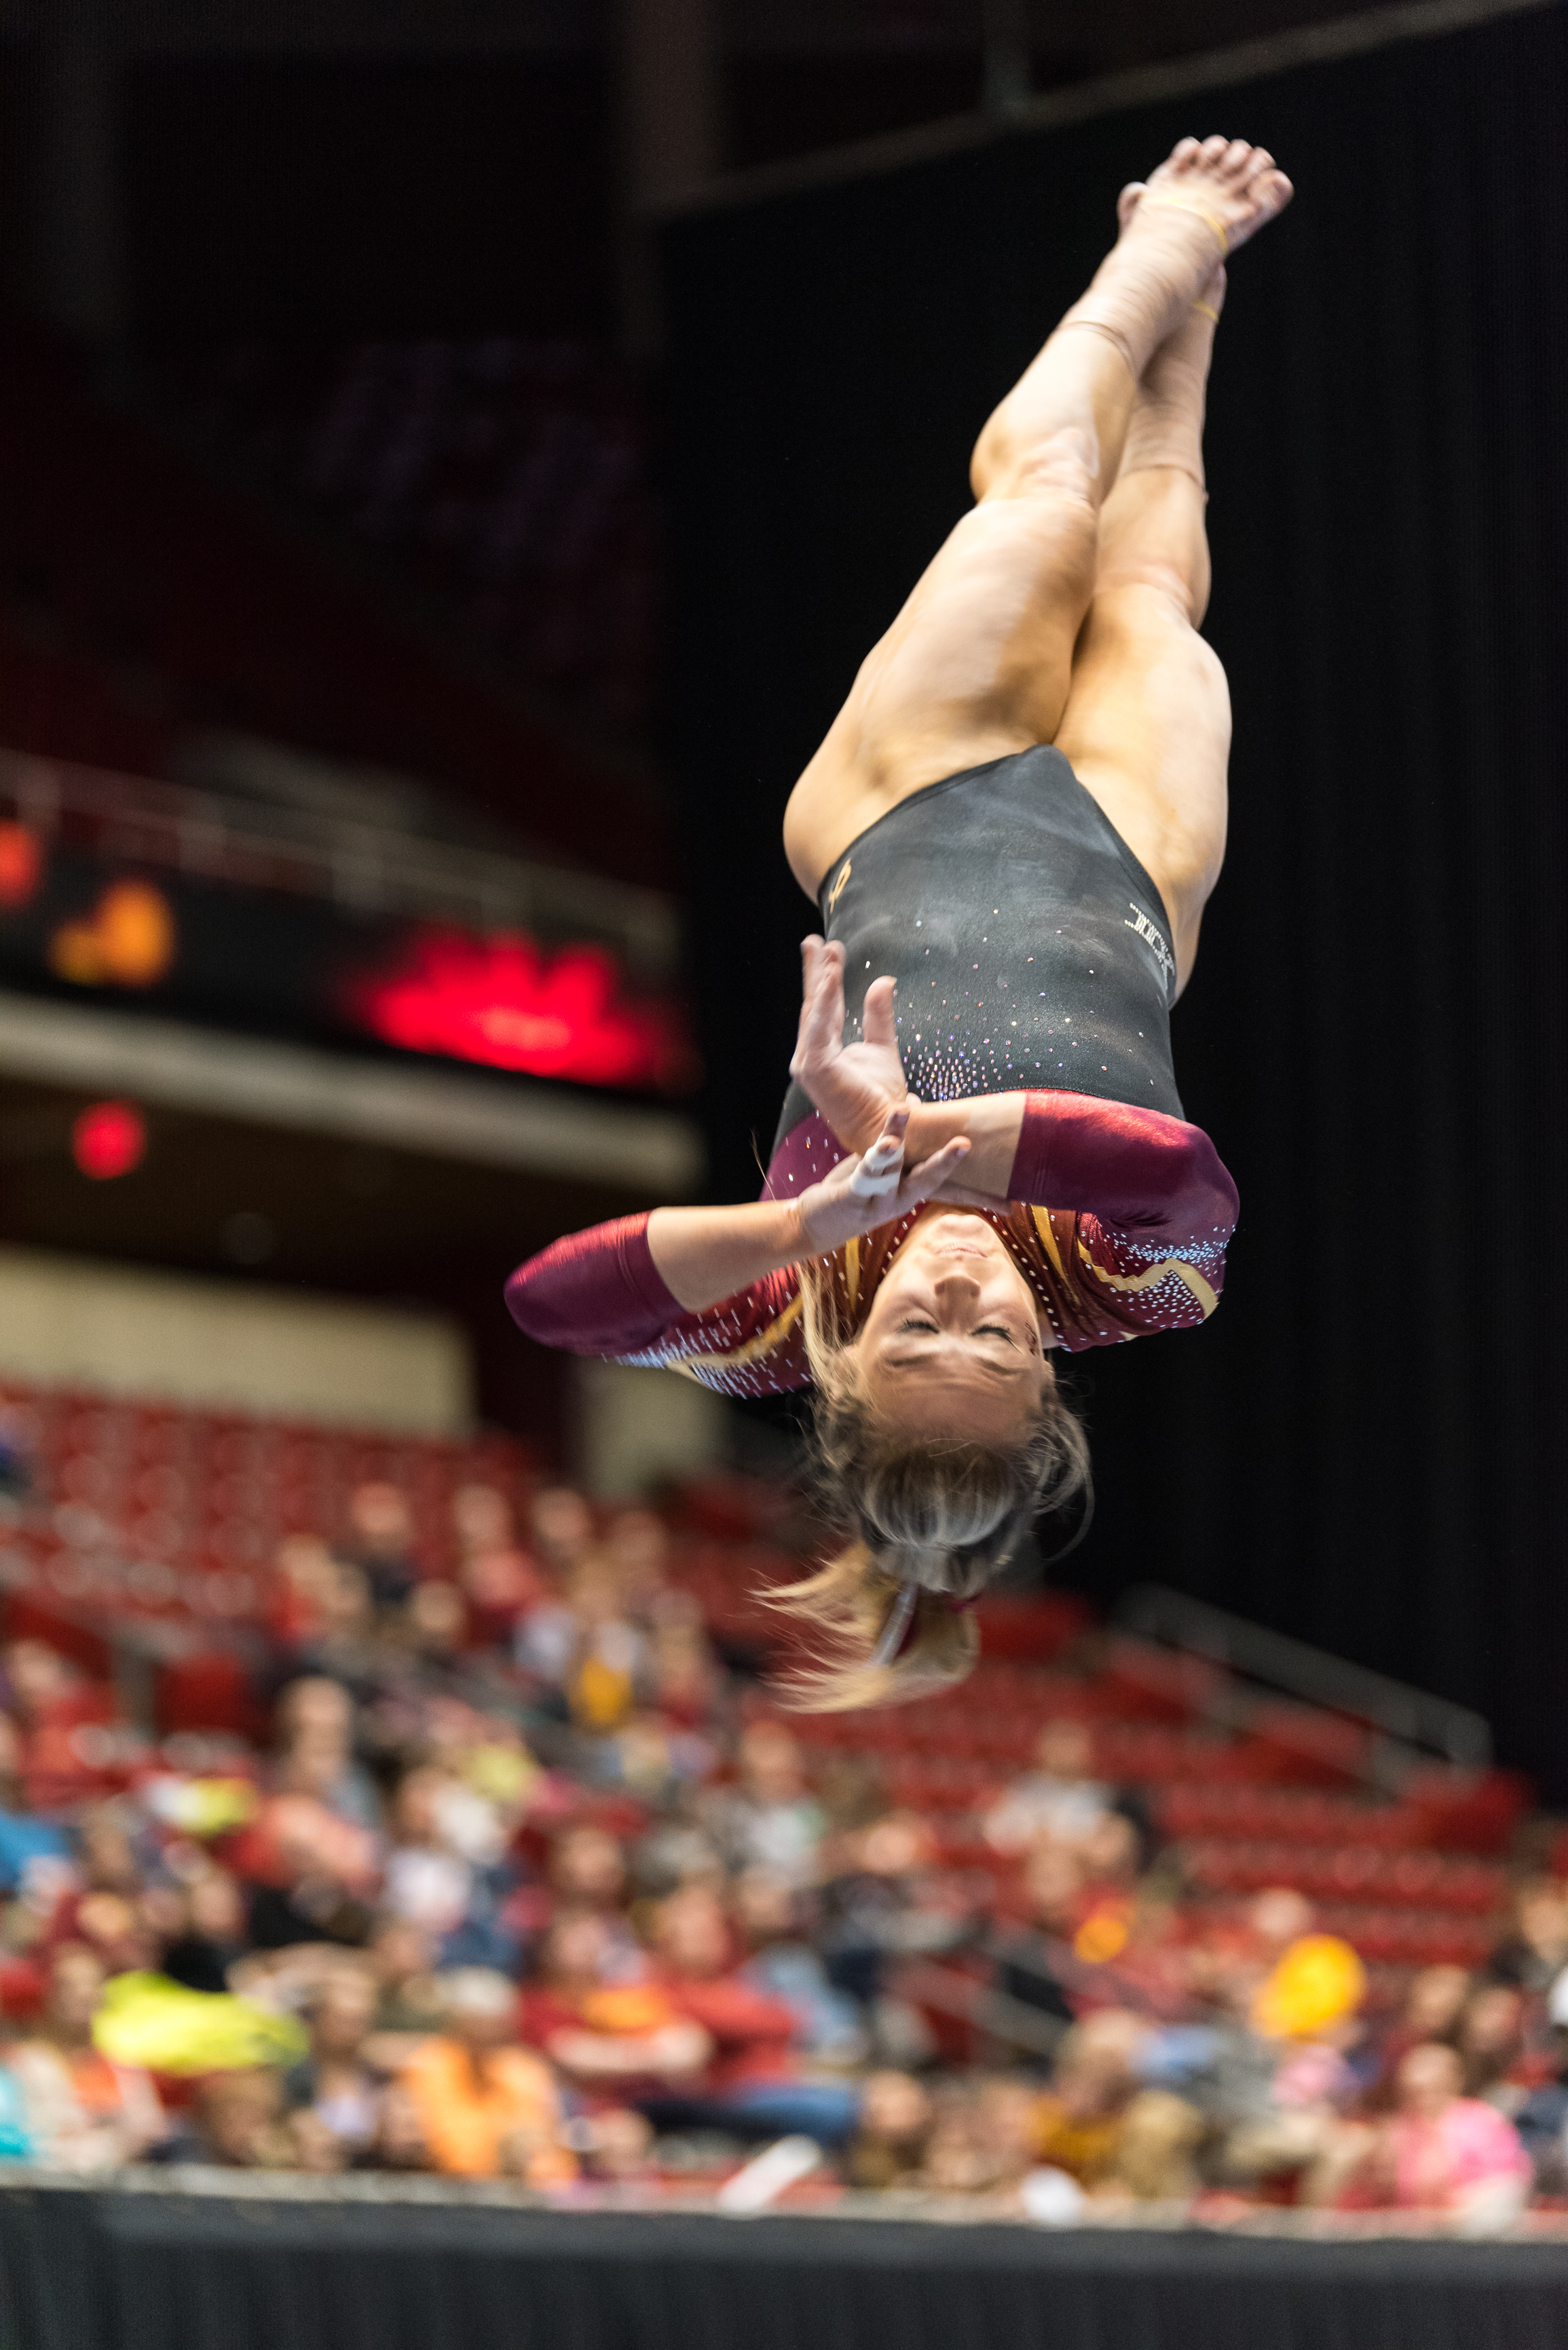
(957, 1285)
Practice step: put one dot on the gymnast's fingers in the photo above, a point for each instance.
(821, 1012)
(924, 1181)
(877, 1173)
(877, 1023)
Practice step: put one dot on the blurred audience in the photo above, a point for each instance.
(614, 2042)
(769, 1818)
(80, 2112)
(337, 2083)
(1079, 2123)
(892, 2130)
(381, 1541)
(1060, 1800)
(1440, 2150)
(529, 1881)
(486, 2107)
(753, 2084)
(234, 2121)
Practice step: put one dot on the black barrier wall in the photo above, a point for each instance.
(89, 2271)
(1366, 1448)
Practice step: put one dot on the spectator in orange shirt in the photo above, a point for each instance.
(487, 2108)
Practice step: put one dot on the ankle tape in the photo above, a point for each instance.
(1112, 336)
(1175, 204)
(1164, 465)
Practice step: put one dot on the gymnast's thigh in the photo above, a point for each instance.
(976, 665)
(1147, 730)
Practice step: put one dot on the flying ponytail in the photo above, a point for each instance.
(931, 1521)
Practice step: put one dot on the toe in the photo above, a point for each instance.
(1127, 202)
(1184, 154)
(1234, 160)
(1275, 192)
(1214, 149)
(1260, 162)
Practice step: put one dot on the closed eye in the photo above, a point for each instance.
(921, 1324)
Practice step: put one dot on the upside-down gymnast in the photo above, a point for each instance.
(1011, 831)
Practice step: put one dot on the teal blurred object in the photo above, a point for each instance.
(15, 2144)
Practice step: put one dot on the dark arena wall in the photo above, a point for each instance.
(1365, 1448)
(83, 2271)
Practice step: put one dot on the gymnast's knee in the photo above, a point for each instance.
(1062, 464)
(1147, 607)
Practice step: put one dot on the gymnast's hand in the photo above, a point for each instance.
(875, 1189)
(853, 1085)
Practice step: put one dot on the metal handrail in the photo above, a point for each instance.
(1412, 1716)
(361, 863)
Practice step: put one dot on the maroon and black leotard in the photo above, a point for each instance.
(1029, 949)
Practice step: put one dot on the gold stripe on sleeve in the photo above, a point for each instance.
(752, 1351)
(1043, 1226)
(1129, 1283)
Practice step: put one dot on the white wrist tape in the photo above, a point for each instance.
(877, 1175)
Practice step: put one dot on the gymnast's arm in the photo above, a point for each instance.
(618, 1287)
(1133, 1170)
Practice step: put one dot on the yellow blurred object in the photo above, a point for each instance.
(630, 2007)
(1103, 1936)
(211, 1808)
(146, 2019)
(504, 1773)
(601, 1695)
(129, 941)
(135, 933)
(1317, 1982)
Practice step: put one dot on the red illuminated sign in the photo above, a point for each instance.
(503, 1002)
(108, 1139)
(21, 863)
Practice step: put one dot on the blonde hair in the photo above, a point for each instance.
(931, 1521)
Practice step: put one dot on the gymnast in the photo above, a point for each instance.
(1010, 831)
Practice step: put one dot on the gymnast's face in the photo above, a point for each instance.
(952, 1345)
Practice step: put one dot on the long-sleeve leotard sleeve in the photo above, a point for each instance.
(1152, 1207)
(593, 1293)
(600, 1293)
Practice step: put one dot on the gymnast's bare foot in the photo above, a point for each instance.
(1175, 230)
(1231, 189)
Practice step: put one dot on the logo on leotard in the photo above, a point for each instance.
(1146, 931)
(837, 891)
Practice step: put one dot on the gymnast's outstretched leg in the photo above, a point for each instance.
(1147, 725)
(981, 661)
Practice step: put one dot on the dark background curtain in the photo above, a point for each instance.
(1366, 1448)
